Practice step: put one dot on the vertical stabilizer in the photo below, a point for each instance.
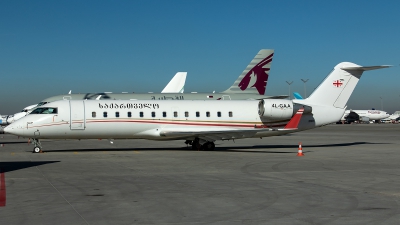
(338, 86)
(253, 79)
(177, 84)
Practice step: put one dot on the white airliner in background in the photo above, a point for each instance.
(202, 122)
(368, 114)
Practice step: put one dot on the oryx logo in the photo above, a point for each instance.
(257, 77)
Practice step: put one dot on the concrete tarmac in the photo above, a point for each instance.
(350, 174)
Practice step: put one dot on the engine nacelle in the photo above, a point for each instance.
(279, 109)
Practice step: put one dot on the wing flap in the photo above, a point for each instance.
(222, 134)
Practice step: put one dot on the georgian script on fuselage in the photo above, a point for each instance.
(128, 106)
(177, 97)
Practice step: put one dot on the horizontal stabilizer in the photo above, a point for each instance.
(364, 68)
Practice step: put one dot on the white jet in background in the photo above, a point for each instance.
(367, 115)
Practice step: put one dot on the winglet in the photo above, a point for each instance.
(294, 122)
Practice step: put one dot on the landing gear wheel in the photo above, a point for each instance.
(36, 150)
(196, 146)
(38, 146)
(209, 146)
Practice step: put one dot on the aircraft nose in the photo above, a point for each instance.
(12, 129)
(7, 130)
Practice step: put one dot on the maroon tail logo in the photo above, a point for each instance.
(259, 73)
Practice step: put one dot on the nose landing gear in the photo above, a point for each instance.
(38, 146)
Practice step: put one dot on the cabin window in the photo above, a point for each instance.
(164, 114)
(186, 114)
(104, 114)
(175, 114)
(208, 114)
(129, 114)
(230, 114)
(219, 114)
(197, 114)
(93, 114)
(116, 114)
(141, 114)
(153, 114)
(44, 111)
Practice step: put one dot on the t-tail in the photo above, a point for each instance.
(254, 78)
(338, 86)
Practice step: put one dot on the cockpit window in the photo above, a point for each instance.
(42, 103)
(44, 111)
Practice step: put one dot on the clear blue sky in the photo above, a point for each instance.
(50, 47)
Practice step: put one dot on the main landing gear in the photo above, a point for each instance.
(196, 145)
(38, 146)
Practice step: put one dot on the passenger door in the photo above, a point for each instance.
(77, 115)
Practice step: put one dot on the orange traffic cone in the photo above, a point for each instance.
(300, 152)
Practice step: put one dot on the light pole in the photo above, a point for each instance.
(289, 82)
(381, 103)
(305, 90)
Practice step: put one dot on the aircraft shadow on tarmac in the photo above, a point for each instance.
(12, 166)
(246, 149)
(13, 142)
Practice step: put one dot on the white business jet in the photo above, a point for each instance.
(202, 122)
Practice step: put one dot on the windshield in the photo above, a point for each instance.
(44, 111)
(41, 103)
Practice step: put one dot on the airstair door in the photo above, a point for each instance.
(77, 115)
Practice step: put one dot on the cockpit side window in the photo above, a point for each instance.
(45, 111)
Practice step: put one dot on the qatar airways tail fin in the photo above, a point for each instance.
(177, 84)
(338, 86)
(254, 78)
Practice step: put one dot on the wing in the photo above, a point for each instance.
(212, 134)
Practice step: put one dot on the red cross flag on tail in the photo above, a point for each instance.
(337, 83)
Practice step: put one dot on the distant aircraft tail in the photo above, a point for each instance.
(253, 79)
(177, 83)
(338, 86)
(297, 95)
